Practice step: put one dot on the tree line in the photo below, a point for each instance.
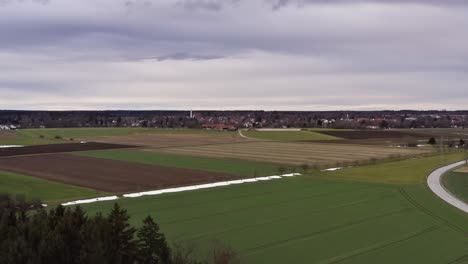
(68, 235)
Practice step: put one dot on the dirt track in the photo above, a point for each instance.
(58, 148)
(106, 175)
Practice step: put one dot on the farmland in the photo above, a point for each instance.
(314, 218)
(375, 211)
(106, 175)
(291, 153)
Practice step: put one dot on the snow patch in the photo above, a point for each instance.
(332, 169)
(10, 146)
(208, 185)
(93, 200)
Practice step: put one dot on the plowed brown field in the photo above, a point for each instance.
(58, 148)
(106, 175)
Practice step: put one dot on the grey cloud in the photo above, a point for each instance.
(186, 56)
(211, 5)
(277, 4)
(6, 2)
(168, 54)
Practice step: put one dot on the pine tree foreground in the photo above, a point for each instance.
(68, 236)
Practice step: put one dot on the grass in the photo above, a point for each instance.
(408, 171)
(47, 191)
(44, 136)
(457, 184)
(288, 135)
(19, 137)
(309, 219)
(237, 167)
(95, 132)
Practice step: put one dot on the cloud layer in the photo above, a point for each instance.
(233, 54)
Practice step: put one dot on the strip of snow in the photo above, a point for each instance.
(93, 200)
(332, 169)
(208, 185)
(11, 146)
(435, 184)
(183, 189)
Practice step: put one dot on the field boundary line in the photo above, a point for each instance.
(434, 181)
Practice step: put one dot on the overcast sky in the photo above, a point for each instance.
(234, 54)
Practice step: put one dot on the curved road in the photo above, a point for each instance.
(434, 181)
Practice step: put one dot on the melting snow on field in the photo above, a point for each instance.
(11, 146)
(108, 198)
(332, 169)
(184, 189)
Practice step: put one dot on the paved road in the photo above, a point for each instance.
(435, 184)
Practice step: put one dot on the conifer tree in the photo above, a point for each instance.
(153, 248)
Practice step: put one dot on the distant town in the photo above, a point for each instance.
(233, 120)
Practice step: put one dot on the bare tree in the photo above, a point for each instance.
(281, 170)
(305, 167)
(224, 254)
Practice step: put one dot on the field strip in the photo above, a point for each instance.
(304, 237)
(249, 195)
(434, 181)
(182, 189)
(279, 152)
(298, 150)
(282, 218)
(265, 205)
(378, 246)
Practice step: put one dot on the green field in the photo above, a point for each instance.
(237, 167)
(408, 171)
(287, 135)
(20, 137)
(44, 136)
(457, 184)
(309, 219)
(47, 191)
(77, 133)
